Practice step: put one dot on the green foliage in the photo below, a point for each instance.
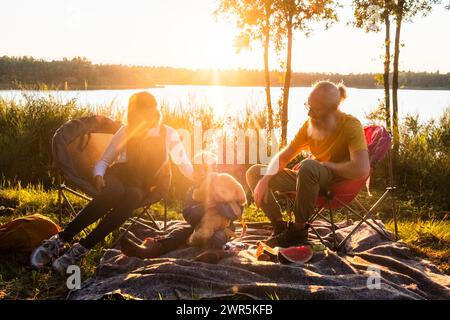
(408, 9)
(370, 14)
(423, 164)
(76, 73)
(26, 129)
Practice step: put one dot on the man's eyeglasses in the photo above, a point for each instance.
(316, 112)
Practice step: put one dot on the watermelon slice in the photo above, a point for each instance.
(300, 254)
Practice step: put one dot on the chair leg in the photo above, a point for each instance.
(62, 198)
(290, 207)
(333, 229)
(318, 236)
(347, 216)
(369, 215)
(391, 188)
(148, 214)
(394, 211)
(364, 220)
(60, 205)
(72, 209)
(165, 213)
(125, 231)
(330, 221)
(314, 215)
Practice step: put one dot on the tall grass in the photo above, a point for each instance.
(422, 169)
(26, 130)
(422, 165)
(27, 126)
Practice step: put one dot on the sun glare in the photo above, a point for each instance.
(217, 48)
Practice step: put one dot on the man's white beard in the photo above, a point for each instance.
(322, 129)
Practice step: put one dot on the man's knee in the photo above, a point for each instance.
(308, 168)
(254, 174)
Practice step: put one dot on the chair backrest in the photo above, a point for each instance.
(77, 146)
(379, 142)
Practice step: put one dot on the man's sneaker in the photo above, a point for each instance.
(49, 250)
(72, 257)
(278, 227)
(288, 238)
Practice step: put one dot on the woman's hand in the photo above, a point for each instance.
(261, 192)
(99, 182)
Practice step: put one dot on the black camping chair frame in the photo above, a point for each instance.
(365, 215)
(136, 220)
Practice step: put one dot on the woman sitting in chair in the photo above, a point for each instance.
(140, 152)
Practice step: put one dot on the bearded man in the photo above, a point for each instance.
(338, 150)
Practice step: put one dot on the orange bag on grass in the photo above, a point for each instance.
(26, 233)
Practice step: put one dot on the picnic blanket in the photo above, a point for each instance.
(348, 274)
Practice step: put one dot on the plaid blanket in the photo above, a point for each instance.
(367, 268)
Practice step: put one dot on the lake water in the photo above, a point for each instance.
(230, 101)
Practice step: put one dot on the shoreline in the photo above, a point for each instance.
(162, 86)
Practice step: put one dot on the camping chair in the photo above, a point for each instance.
(77, 146)
(342, 193)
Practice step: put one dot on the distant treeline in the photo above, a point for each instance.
(80, 73)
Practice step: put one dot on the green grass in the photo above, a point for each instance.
(429, 239)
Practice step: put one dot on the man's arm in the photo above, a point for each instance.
(278, 163)
(357, 168)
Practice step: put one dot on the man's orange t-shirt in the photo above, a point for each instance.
(348, 137)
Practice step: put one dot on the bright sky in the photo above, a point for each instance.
(184, 33)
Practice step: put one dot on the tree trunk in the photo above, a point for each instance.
(387, 64)
(287, 84)
(267, 75)
(395, 128)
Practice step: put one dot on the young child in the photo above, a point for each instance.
(204, 163)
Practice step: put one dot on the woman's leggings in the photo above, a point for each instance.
(115, 203)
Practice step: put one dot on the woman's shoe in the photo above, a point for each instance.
(72, 257)
(49, 250)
